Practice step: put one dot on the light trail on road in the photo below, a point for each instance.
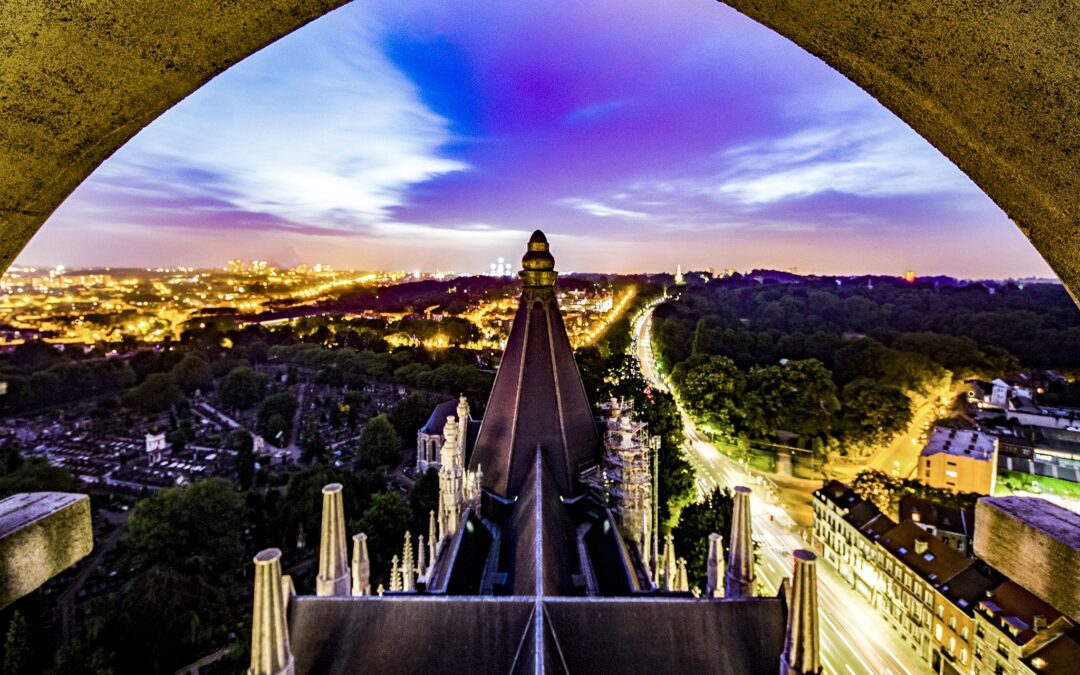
(855, 639)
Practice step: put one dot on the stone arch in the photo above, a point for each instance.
(995, 86)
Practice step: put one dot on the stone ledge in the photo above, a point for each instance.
(41, 535)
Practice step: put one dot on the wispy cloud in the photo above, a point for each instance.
(321, 131)
(863, 160)
(601, 210)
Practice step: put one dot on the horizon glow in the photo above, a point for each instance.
(437, 135)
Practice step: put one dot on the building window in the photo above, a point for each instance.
(952, 623)
(940, 611)
(937, 632)
(979, 631)
(964, 633)
(963, 655)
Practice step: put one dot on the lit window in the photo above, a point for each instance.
(937, 631)
(950, 473)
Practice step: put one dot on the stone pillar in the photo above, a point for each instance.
(739, 578)
(682, 582)
(361, 566)
(670, 569)
(333, 576)
(802, 654)
(270, 652)
(714, 586)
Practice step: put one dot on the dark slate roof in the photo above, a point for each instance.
(861, 514)
(537, 399)
(399, 634)
(437, 422)
(937, 564)
(928, 513)
(407, 634)
(967, 588)
(628, 636)
(839, 494)
(1012, 605)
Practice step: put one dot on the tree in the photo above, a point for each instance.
(424, 498)
(411, 412)
(18, 650)
(711, 387)
(277, 430)
(179, 441)
(879, 488)
(281, 404)
(696, 522)
(195, 529)
(36, 475)
(380, 445)
(798, 396)
(873, 412)
(242, 388)
(193, 374)
(385, 523)
(157, 393)
(242, 442)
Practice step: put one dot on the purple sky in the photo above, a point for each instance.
(437, 134)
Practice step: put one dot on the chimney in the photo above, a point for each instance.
(333, 576)
(739, 577)
(1039, 623)
(361, 566)
(714, 586)
(802, 655)
(921, 545)
(270, 652)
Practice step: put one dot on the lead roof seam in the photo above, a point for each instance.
(558, 392)
(517, 392)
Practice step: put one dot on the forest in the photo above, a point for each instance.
(839, 365)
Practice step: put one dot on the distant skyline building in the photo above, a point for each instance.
(526, 567)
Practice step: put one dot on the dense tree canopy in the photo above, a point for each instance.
(380, 445)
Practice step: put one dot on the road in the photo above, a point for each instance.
(855, 639)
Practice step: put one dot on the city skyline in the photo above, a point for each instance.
(638, 137)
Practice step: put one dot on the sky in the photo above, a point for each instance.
(437, 134)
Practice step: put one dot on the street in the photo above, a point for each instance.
(855, 639)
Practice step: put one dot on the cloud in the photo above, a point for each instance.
(601, 210)
(868, 159)
(319, 131)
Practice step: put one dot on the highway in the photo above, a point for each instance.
(855, 639)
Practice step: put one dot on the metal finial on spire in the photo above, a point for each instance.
(538, 265)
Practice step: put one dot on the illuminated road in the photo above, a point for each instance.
(855, 639)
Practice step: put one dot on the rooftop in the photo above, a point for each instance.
(961, 443)
(936, 564)
(928, 513)
(1013, 609)
(1042, 515)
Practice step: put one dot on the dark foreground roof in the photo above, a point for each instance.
(498, 635)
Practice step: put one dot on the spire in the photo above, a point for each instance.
(433, 536)
(538, 398)
(395, 574)
(270, 652)
(739, 579)
(408, 574)
(421, 558)
(333, 576)
(670, 568)
(361, 566)
(714, 586)
(802, 655)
